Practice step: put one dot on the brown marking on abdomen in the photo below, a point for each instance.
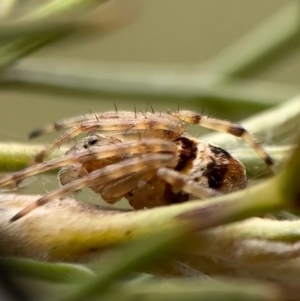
(187, 152)
(225, 173)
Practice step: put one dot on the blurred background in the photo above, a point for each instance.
(173, 34)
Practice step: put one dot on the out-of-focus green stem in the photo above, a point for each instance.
(15, 156)
(131, 257)
(145, 80)
(195, 290)
(19, 47)
(46, 27)
(255, 166)
(57, 273)
(291, 188)
(278, 125)
(6, 7)
(59, 7)
(179, 289)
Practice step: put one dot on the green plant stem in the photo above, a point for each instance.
(55, 273)
(279, 124)
(144, 80)
(23, 46)
(255, 166)
(6, 7)
(16, 156)
(20, 47)
(38, 28)
(291, 188)
(167, 290)
(58, 7)
(225, 289)
(87, 230)
(132, 256)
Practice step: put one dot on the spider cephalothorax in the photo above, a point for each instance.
(144, 157)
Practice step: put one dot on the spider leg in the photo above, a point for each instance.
(227, 127)
(111, 117)
(71, 122)
(96, 152)
(106, 174)
(156, 126)
(182, 182)
(116, 190)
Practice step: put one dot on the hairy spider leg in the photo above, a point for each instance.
(183, 183)
(106, 174)
(227, 127)
(118, 189)
(115, 117)
(93, 153)
(157, 127)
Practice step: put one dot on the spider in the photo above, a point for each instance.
(145, 157)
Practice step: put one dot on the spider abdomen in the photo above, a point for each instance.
(205, 166)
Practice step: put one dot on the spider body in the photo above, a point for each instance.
(145, 157)
(203, 165)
